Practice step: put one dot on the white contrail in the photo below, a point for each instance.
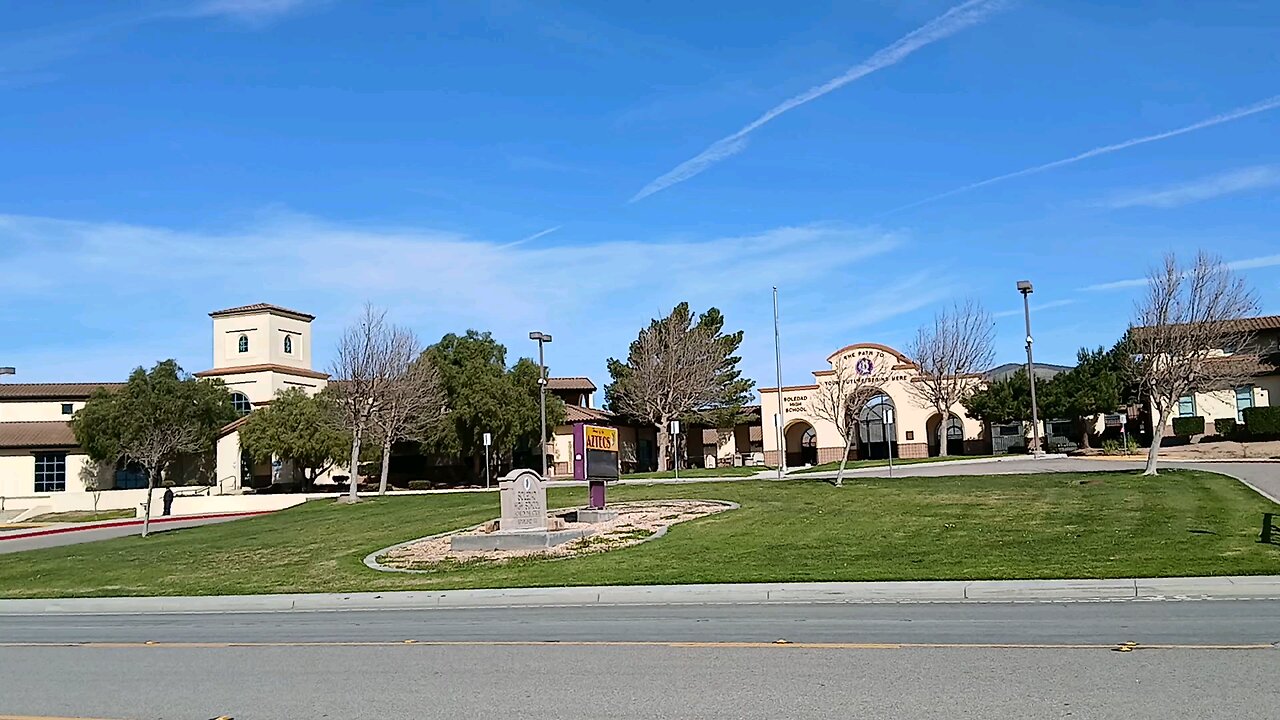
(949, 23)
(535, 236)
(1263, 106)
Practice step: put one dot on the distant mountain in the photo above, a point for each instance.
(1044, 371)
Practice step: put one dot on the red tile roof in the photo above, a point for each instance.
(577, 414)
(571, 383)
(36, 435)
(52, 391)
(1248, 325)
(262, 307)
(264, 367)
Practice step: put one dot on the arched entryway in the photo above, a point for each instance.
(954, 435)
(802, 444)
(877, 434)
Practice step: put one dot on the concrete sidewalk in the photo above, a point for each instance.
(1263, 587)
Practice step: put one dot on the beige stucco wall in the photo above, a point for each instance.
(894, 378)
(266, 333)
(562, 445)
(37, 411)
(1222, 403)
(18, 474)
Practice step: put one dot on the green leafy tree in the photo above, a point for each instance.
(299, 427)
(158, 416)
(1003, 401)
(1094, 386)
(681, 367)
(483, 395)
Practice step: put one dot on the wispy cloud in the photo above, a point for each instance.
(949, 23)
(1263, 261)
(253, 12)
(25, 61)
(593, 298)
(1035, 307)
(1263, 106)
(535, 236)
(1200, 189)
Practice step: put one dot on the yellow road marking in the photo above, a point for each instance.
(43, 717)
(643, 643)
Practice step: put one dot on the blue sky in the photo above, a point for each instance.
(579, 168)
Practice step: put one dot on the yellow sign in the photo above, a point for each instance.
(600, 438)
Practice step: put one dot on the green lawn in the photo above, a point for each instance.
(833, 466)
(699, 473)
(83, 516)
(1105, 524)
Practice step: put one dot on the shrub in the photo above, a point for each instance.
(1226, 427)
(1262, 421)
(1185, 427)
(419, 484)
(1113, 447)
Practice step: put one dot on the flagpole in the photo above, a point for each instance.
(780, 421)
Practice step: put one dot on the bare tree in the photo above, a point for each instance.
(91, 479)
(361, 371)
(1181, 328)
(414, 399)
(840, 398)
(155, 448)
(949, 355)
(680, 367)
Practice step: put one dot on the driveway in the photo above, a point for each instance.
(67, 534)
(1263, 477)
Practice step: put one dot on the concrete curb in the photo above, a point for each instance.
(1262, 587)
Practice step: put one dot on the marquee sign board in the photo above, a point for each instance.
(595, 452)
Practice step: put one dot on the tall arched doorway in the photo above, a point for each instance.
(802, 444)
(954, 435)
(877, 435)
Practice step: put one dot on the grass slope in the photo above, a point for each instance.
(1105, 524)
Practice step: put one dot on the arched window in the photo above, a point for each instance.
(955, 429)
(241, 403)
(243, 345)
(809, 439)
(288, 344)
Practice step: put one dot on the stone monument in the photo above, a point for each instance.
(524, 502)
(524, 523)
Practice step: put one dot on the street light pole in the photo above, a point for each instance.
(542, 339)
(779, 420)
(1024, 287)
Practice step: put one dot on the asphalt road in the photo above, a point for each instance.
(597, 670)
(1103, 623)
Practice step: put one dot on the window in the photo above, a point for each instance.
(288, 344)
(243, 344)
(51, 472)
(1244, 399)
(241, 403)
(67, 408)
(1186, 406)
(911, 434)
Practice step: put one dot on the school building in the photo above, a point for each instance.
(892, 420)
